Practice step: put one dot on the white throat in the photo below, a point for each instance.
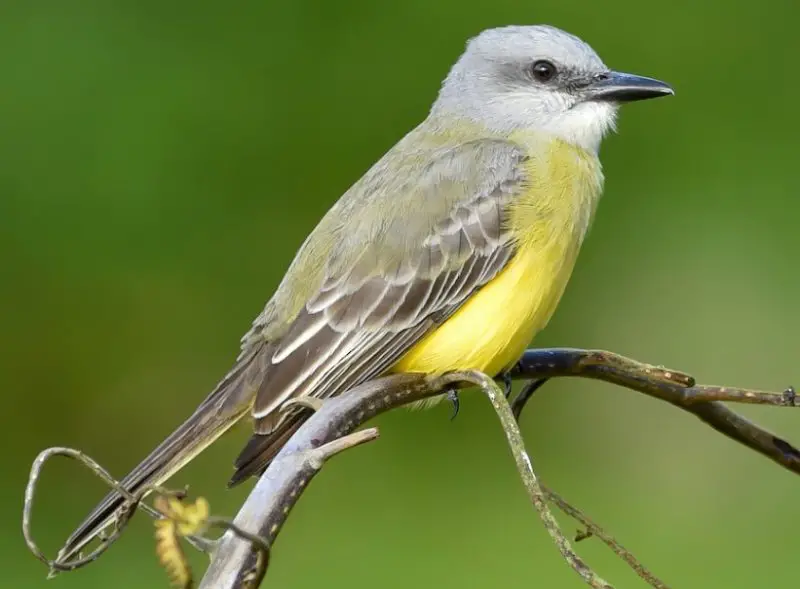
(583, 124)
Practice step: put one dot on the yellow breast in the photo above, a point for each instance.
(548, 220)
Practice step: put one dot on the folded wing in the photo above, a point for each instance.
(408, 276)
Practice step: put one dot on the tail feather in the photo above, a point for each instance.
(262, 448)
(229, 401)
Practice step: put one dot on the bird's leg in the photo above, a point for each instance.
(507, 383)
(790, 396)
(452, 396)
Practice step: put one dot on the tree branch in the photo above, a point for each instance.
(675, 388)
(234, 558)
(525, 467)
(288, 475)
(592, 529)
(268, 505)
(123, 517)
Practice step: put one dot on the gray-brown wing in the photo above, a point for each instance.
(367, 314)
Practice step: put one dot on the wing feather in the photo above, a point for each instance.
(367, 314)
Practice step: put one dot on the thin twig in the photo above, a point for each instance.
(526, 472)
(592, 529)
(132, 502)
(525, 395)
(326, 451)
(706, 394)
(676, 388)
(30, 491)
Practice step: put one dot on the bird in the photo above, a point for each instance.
(450, 253)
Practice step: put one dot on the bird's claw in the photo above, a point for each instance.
(507, 384)
(452, 396)
(790, 397)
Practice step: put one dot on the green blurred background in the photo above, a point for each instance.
(160, 162)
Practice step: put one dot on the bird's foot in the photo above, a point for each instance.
(505, 378)
(452, 396)
(790, 397)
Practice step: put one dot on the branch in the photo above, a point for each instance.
(592, 529)
(288, 475)
(180, 519)
(124, 515)
(279, 488)
(673, 387)
(525, 468)
(239, 557)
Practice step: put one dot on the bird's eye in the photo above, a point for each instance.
(543, 70)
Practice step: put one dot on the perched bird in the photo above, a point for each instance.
(450, 253)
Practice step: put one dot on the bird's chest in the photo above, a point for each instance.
(548, 220)
(562, 187)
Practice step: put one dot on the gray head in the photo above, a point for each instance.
(539, 78)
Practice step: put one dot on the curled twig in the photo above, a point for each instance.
(124, 515)
(30, 491)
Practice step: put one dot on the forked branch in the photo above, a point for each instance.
(261, 517)
(268, 505)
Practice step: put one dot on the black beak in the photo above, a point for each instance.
(619, 87)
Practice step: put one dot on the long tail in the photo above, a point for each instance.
(229, 401)
(261, 449)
